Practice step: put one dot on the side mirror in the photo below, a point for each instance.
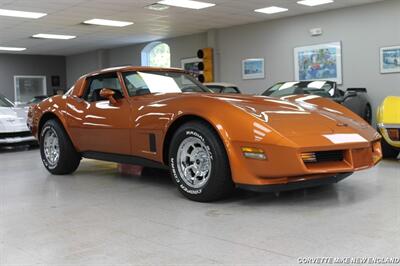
(108, 94)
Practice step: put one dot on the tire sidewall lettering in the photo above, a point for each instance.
(198, 135)
(173, 163)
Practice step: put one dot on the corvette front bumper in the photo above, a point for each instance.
(306, 183)
(285, 169)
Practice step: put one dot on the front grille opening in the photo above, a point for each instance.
(322, 156)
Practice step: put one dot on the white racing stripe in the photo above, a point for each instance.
(345, 138)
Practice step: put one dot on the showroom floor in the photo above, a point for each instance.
(98, 216)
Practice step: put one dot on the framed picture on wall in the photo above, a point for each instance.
(253, 68)
(319, 62)
(390, 59)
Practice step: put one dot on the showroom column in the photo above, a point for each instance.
(102, 59)
(212, 41)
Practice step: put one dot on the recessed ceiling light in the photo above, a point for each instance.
(271, 10)
(314, 2)
(53, 36)
(13, 49)
(107, 22)
(186, 4)
(20, 14)
(157, 7)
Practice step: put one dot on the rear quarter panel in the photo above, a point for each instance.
(52, 106)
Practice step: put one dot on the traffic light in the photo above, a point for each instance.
(206, 67)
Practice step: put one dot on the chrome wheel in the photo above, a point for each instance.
(50, 147)
(194, 162)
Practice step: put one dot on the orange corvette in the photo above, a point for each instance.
(211, 143)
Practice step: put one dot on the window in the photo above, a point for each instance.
(230, 90)
(139, 83)
(216, 89)
(320, 88)
(156, 54)
(96, 84)
(4, 102)
(27, 87)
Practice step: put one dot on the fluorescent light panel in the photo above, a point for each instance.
(314, 2)
(53, 36)
(20, 14)
(12, 49)
(271, 10)
(157, 7)
(186, 4)
(107, 22)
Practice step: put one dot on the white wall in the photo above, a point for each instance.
(27, 65)
(362, 31)
(80, 64)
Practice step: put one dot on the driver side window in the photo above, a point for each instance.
(97, 83)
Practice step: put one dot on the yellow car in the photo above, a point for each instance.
(388, 119)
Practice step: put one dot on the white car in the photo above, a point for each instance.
(13, 128)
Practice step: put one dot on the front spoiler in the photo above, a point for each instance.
(295, 185)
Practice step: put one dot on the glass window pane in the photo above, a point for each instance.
(27, 87)
(160, 56)
(139, 83)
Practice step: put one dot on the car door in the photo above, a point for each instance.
(98, 125)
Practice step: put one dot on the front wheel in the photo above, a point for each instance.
(199, 164)
(367, 115)
(58, 154)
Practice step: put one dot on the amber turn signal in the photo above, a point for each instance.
(394, 133)
(254, 153)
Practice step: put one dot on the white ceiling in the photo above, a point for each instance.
(66, 16)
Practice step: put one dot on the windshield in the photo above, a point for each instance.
(321, 88)
(141, 82)
(4, 102)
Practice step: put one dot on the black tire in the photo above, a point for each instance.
(218, 184)
(367, 115)
(69, 159)
(387, 150)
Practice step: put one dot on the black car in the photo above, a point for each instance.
(356, 99)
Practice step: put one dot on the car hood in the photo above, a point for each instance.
(300, 114)
(13, 119)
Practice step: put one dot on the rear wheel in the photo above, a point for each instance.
(387, 150)
(58, 154)
(368, 114)
(199, 164)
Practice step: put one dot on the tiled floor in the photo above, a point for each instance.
(98, 217)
